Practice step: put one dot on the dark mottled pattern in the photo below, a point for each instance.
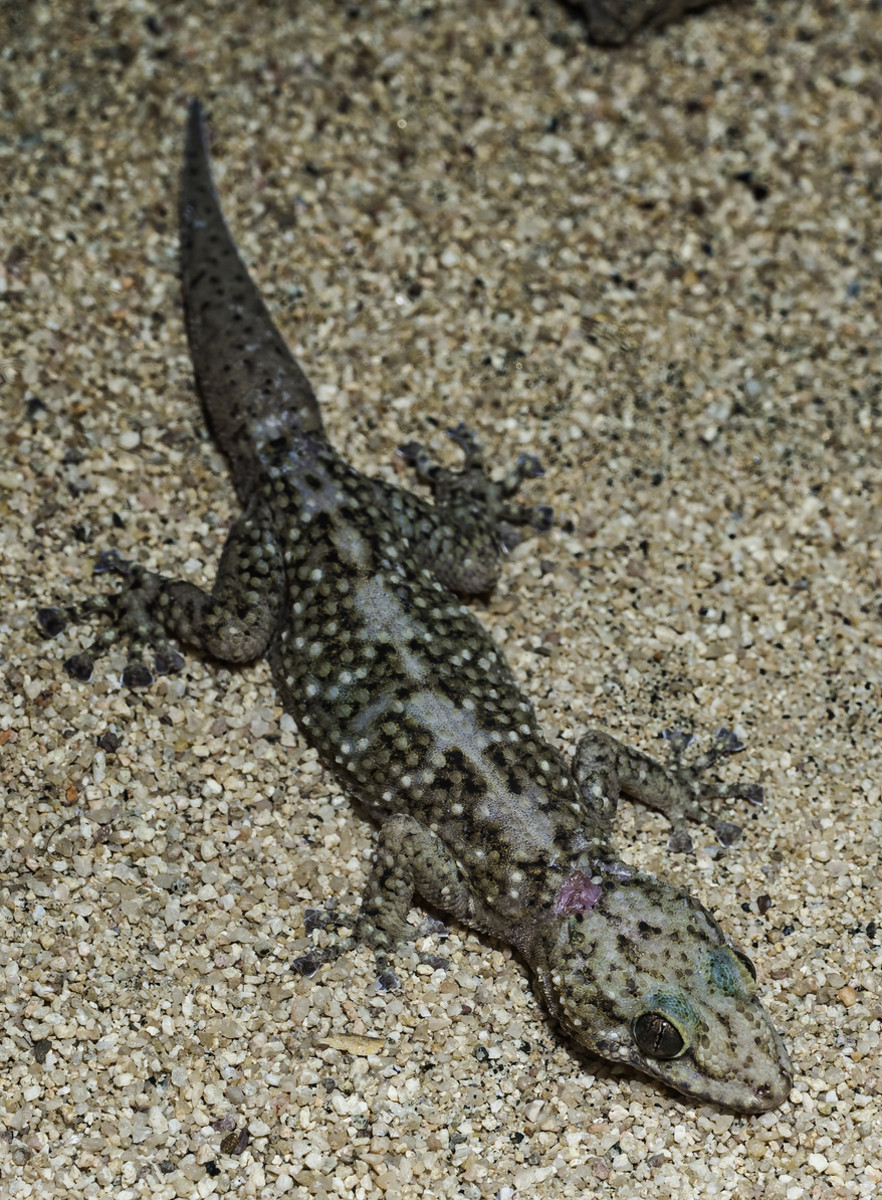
(614, 21)
(346, 583)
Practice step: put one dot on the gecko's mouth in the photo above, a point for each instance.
(758, 1099)
(757, 1081)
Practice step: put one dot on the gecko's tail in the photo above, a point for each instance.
(250, 384)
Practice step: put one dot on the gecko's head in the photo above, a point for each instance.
(640, 973)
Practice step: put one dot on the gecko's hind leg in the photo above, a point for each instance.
(474, 516)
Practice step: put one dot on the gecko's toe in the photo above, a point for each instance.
(80, 666)
(680, 842)
(542, 517)
(528, 466)
(512, 517)
(168, 661)
(137, 675)
(111, 561)
(436, 961)
(52, 620)
(678, 739)
(432, 927)
(306, 965)
(315, 918)
(388, 981)
(727, 832)
(410, 451)
(463, 437)
(728, 742)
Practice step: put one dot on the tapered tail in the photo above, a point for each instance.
(250, 384)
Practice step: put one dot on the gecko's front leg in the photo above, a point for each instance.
(232, 623)
(408, 858)
(605, 768)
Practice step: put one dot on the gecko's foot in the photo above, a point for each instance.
(129, 615)
(700, 793)
(330, 918)
(473, 490)
(365, 934)
(308, 964)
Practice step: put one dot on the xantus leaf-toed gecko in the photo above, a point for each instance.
(350, 586)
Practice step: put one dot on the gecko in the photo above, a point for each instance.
(353, 588)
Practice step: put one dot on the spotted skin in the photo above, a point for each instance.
(347, 585)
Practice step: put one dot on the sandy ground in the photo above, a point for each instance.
(659, 269)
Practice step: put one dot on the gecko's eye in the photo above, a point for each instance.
(657, 1036)
(745, 962)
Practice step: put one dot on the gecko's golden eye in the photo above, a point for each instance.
(657, 1036)
(745, 962)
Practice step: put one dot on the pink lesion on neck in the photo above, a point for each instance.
(577, 894)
